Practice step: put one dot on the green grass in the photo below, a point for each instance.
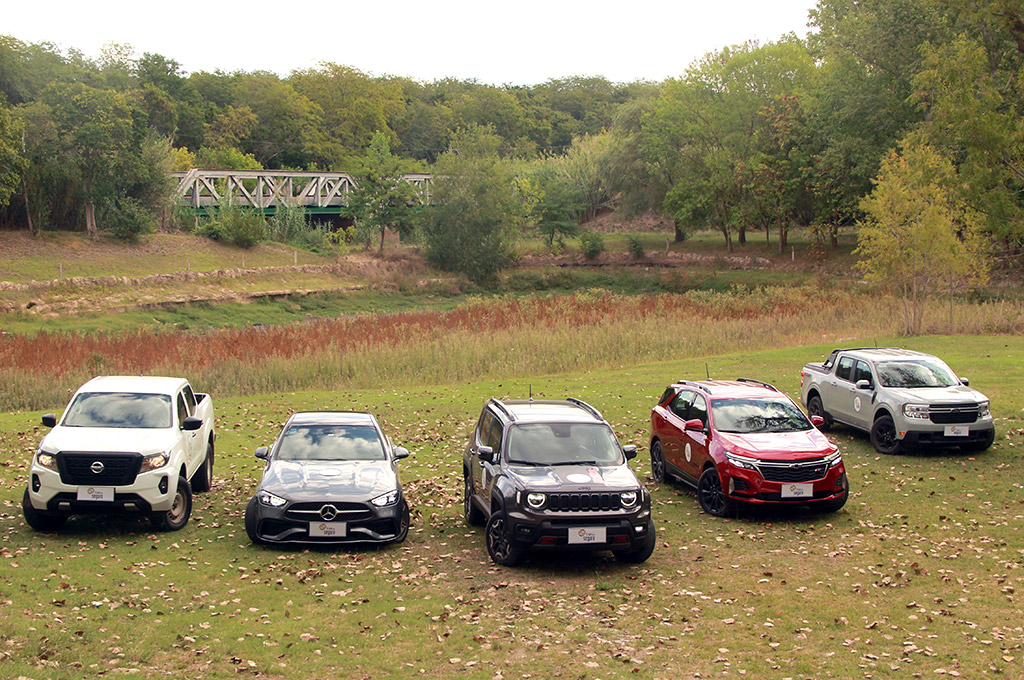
(917, 577)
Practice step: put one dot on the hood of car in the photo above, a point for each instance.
(936, 396)
(575, 477)
(779, 445)
(329, 480)
(110, 439)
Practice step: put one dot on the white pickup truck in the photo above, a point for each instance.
(124, 443)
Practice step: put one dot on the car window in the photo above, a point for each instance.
(481, 431)
(190, 399)
(699, 410)
(758, 415)
(563, 444)
(863, 372)
(330, 442)
(116, 409)
(182, 409)
(681, 404)
(917, 373)
(845, 368)
(494, 435)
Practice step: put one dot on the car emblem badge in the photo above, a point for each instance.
(96, 467)
(328, 512)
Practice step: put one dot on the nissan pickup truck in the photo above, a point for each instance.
(132, 443)
(901, 397)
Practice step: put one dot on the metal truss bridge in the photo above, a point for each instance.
(323, 193)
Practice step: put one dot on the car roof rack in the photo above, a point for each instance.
(585, 406)
(696, 385)
(759, 382)
(498, 404)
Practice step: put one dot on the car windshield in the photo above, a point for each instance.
(916, 373)
(119, 409)
(758, 415)
(330, 442)
(563, 444)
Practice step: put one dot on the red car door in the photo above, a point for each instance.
(695, 442)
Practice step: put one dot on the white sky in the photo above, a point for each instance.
(523, 42)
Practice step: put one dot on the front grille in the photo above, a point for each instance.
(801, 473)
(953, 414)
(310, 511)
(583, 502)
(118, 469)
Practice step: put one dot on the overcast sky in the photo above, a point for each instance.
(522, 42)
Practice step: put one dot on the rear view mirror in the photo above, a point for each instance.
(864, 385)
(486, 453)
(694, 424)
(191, 423)
(50, 420)
(629, 450)
(400, 452)
(963, 381)
(262, 452)
(817, 421)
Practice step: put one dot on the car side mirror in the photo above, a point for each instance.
(694, 424)
(629, 451)
(400, 452)
(864, 385)
(262, 452)
(817, 421)
(192, 423)
(486, 453)
(964, 381)
(50, 420)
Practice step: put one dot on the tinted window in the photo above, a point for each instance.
(182, 409)
(115, 409)
(486, 418)
(494, 435)
(330, 442)
(563, 444)
(845, 368)
(758, 415)
(190, 399)
(862, 372)
(699, 410)
(681, 404)
(918, 373)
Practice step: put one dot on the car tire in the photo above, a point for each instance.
(641, 554)
(471, 513)
(40, 520)
(181, 509)
(499, 541)
(815, 408)
(982, 445)
(883, 435)
(202, 480)
(711, 495)
(403, 523)
(252, 520)
(658, 473)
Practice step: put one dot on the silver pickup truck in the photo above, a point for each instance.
(901, 397)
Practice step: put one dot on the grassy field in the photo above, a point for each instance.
(918, 576)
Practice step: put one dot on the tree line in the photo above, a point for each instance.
(750, 139)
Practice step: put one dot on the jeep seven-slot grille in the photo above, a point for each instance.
(950, 414)
(99, 469)
(582, 502)
(786, 474)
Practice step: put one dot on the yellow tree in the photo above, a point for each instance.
(918, 237)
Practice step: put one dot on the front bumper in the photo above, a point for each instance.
(550, 530)
(368, 524)
(151, 491)
(749, 486)
(983, 433)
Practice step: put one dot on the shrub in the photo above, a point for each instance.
(591, 244)
(237, 226)
(127, 219)
(635, 246)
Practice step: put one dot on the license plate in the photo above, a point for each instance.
(327, 529)
(96, 493)
(584, 535)
(797, 490)
(956, 430)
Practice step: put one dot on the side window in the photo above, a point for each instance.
(845, 368)
(182, 409)
(681, 404)
(494, 436)
(699, 409)
(190, 399)
(862, 372)
(481, 430)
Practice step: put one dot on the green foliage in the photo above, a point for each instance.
(382, 200)
(127, 218)
(591, 244)
(556, 204)
(225, 158)
(235, 225)
(470, 227)
(635, 247)
(12, 163)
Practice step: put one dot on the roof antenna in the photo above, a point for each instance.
(706, 371)
(531, 392)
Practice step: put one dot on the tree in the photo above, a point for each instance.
(556, 202)
(12, 163)
(383, 200)
(470, 226)
(918, 235)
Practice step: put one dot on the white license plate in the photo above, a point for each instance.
(584, 535)
(96, 493)
(956, 430)
(797, 490)
(327, 529)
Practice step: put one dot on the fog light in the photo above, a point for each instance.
(36, 484)
(640, 529)
(163, 484)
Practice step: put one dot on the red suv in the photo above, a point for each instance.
(744, 441)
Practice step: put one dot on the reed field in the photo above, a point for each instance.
(919, 576)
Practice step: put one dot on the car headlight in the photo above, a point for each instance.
(154, 462)
(536, 500)
(983, 410)
(919, 411)
(47, 460)
(741, 461)
(390, 498)
(628, 498)
(834, 459)
(270, 499)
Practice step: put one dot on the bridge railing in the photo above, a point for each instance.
(263, 189)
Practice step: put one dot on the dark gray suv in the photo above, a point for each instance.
(331, 477)
(550, 475)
